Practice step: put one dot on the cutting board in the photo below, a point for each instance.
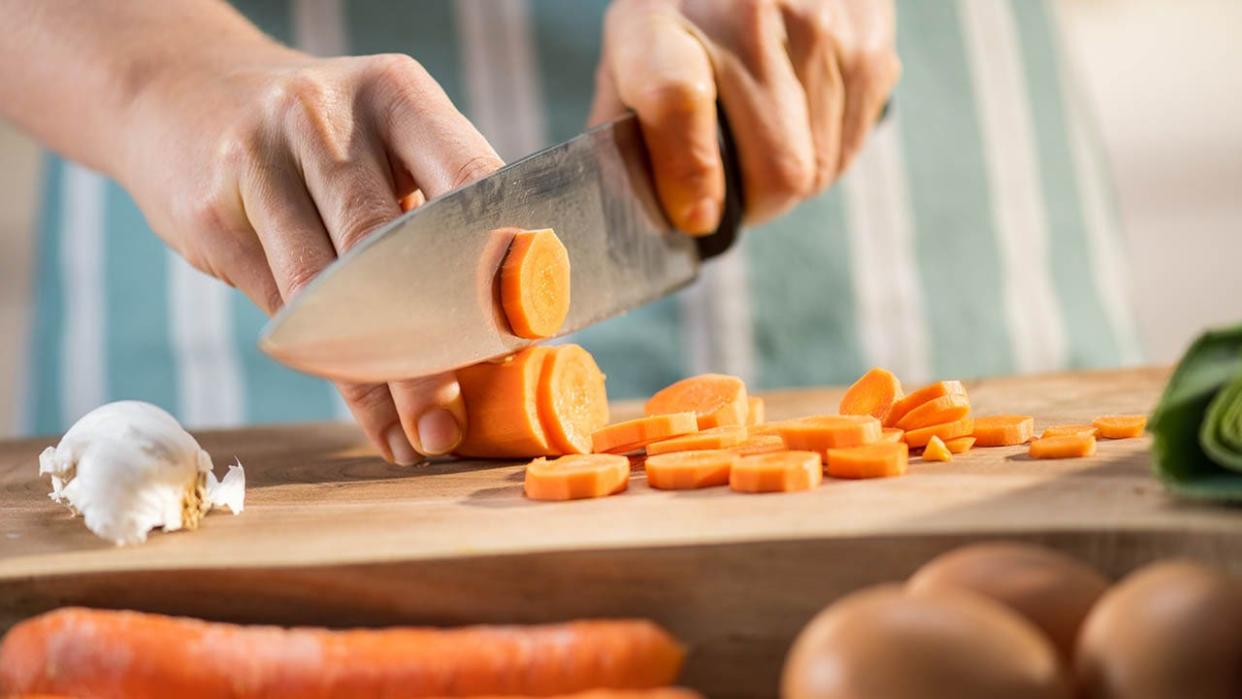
(332, 535)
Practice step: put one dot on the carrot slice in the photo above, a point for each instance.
(937, 411)
(572, 401)
(502, 407)
(1079, 428)
(872, 394)
(760, 444)
(715, 438)
(869, 461)
(921, 396)
(823, 432)
(639, 432)
(755, 414)
(947, 431)
(1003, 430)
(687, 470)
(936, 450)
(534, 284)
(1120, 426)
(577, 476)
(716, 399)
(1066, 446)
(961, 445)
(891, 434)
(777, 472)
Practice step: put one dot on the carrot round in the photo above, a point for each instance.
(639, 432)
(913, 400)
(1078, 428)
(822, 432)
(760, 444)
(949, 430)
(872, 394)
(870, 461)
(715, 438)
(937, 411)
(687, 470)
(572, 401)
(1066, 446)
(891, 434)
(1003, 430)
(777, 472)
(755, 414)
(961, 445)
(534, 284)
(1120, 426)
(936, 450)
(85, 652)
(577, 476)
(716, 400)
(502, 407)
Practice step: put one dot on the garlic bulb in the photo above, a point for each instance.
(129, 467)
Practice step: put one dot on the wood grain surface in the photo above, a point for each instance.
(332, 535)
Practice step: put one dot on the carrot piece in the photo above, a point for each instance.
(921, 396)
(822, 432)
(937, 411)
(936, 450)
(760, 444)
(1078, 428)
(660, 693)
(1066, 446)
(868, 461)
(534, 284)
(1120, 426)
(716, 399)
(502, 407)
(755, 412)
(87, 652)
(891, 434)
(572, 401)
(687, 470)
(1003, 430)
(577, 476)
(947, 431)
(872, 394)
(961, 445)
(777, 472)
(639, 432)
(715, 438)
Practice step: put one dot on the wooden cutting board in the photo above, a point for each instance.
(332, 535)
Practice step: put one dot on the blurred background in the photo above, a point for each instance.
(1164, 78)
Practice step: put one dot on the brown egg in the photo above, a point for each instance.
(1053, 591)
(1169, 630)
(887, 642)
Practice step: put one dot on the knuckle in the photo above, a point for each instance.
(398, 74)
(792, 173)
(297, 278)
(300, 93)
(364, 396)
(475, 168)
(363, 213)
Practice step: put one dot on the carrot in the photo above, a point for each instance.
(534, 284)
(760, 444)
(1066, 446)
(778, 471)
(1079, 428)
(936, 450)
(869, 461)
(716, 399)
(661, 693)
(639, 432)
(1003, 430)
(86, 652)
(1120, 426)
(755, 411)
(577, 476)
(921, 396)
(715, 438)
(872, 394)
(687, 470)
(961, 445)
(891, 434)
(937, 411)
(947, 431)
(822, 432)
(572, 401)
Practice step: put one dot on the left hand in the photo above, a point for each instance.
(801, 82)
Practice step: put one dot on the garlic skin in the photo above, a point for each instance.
(129, 467)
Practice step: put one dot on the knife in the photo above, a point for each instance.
(419, 297)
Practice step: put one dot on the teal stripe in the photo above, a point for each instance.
(568, 36)
(1091, 339)
(140, 364)
(959, 258)
(44, 386)
(425, 30)
(275, 17)
(802, 297)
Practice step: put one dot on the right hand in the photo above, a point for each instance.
(261, 165)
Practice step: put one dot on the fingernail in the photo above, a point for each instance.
(402, 451)
(438, 432)
(703, 216)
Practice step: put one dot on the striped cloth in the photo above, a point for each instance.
(975, 236)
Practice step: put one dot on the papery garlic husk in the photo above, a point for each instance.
(129, 467)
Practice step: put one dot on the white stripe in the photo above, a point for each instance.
(695, 330)
(724, 285)
(319, 28)
(1035, 326)
(209, 383)
(892, 325)
(502, 80)
(83, 352)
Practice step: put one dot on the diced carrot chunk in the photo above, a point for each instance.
(639, 432)
(936, 451)
(1061, 430)
(577, 476)
(686, 470)
(1120, 426)
(961, 445)
(715, 438)
(819, 433)
(1003, 430)
(891, 434)
(755, 415)
(869, 461)
(1066, 446)
(949, 430)
(937, 411)
(872, 394)
(921, 396)
(716, 400)
(779, 471)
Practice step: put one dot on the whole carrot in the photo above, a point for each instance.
(84, 652)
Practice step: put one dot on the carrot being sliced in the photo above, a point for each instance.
(716, 399)
(1003, 430)
(760, 444)
(891, 434)
(98, 653)
(1061, 430)
(1066, 446)
(869, 461)
(937, 411)
(822, 432)
(961, 445)
(872, 394)
(577, 476)
(715, 438)
(502, 407)
(755, 412)
(639, 432)
(949, 430)
(572, 401)
(1120, 426)
(913, 400)
(936, 450)
(777, 472)
(534, 284)
(687, 470)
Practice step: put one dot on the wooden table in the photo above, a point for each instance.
(332, 535)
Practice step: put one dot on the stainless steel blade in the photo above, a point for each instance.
(419, 296)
